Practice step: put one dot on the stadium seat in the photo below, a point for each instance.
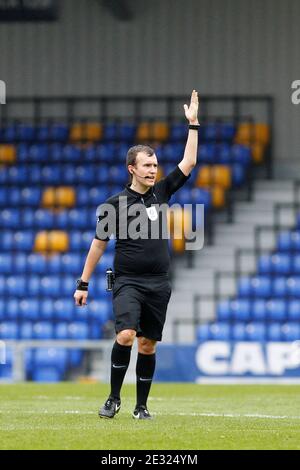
(8, 154)
(63, 197)
(51, 241)
(154, 131)
(86, 131)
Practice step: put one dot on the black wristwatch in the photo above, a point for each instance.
(81, 285)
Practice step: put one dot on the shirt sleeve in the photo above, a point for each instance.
(174, 181)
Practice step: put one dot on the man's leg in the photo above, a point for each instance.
(145, 368)
(120, 358)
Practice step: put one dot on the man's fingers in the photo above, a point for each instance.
(185, 107)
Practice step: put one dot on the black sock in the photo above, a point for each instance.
(145, 367)
(120, 357)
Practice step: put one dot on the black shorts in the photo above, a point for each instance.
(140, 303)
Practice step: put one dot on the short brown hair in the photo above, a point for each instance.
(132, 154)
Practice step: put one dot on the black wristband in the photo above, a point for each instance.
(81, 285)
(194, 127)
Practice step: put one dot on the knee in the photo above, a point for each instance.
(146, 346)
(126, 337)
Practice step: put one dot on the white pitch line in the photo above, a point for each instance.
(205, 415)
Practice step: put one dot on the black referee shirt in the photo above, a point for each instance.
(141, 255)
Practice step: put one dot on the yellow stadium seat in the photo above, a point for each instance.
(222, 176)
(180, 222)
(8, 154)
(218, 197)
(62, 196)
(258, 151)
(248, 133)
(158, 131)
(214, 175)
(86, 131)
(51, 241)
(160, 173)
(204, 177)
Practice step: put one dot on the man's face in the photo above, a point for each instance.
(145, 169)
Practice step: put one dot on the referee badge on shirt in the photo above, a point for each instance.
(152, 212)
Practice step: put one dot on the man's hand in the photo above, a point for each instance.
(80, 297)
(191, 112)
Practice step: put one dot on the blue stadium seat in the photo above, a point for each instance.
(118, 174)
(223, 153)
(289, 241)
(240, 310)
(51, 174)
(259, 311)
(5, 263)
(77, 218)
(30, 196)
(50, 286)
(277, 264)
(256, 331)
(3, 307)
(201, 196)
(203, 333)
(295, 262)
(16, 286)
(8, 330)
(43, 330)
(276, 310)
(78, 330)
(46, 309)
(291, 332)
(33, 285)
(72, 153)
(12, 311)
(17, 175)
(26, 331)
(279, 287)
(54, 264)
(63, 309)
(26, 133)
(100, 310)
(238, 332)
(172, 152)
(67, 285)
(38, 153)
(258, 286)
(178, 132)
(293, 286)
(10, 219)
(101, 174)
(29, 309)
(14, 197)
(238, 174)
(127, 132)
(220, 331)
(241, 154)
(61, 331)
(59, 132)
(36, 263)
(71, 263)
(23, 241)
(294, 310)
(227, 131)
(274, 332)
(207, 153)
(107, 152)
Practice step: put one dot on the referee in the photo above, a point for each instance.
(142, 289)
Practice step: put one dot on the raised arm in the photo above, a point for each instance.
(96, 251)
(190, 153)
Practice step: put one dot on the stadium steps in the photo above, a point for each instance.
(221, 256)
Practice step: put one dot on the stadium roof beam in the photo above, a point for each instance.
(119, 9)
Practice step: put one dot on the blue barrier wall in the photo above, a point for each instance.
(221, 359)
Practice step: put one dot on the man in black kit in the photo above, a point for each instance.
(142, 290)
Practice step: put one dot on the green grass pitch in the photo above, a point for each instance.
(186, 416)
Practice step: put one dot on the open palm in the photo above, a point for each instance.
(191, 111)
